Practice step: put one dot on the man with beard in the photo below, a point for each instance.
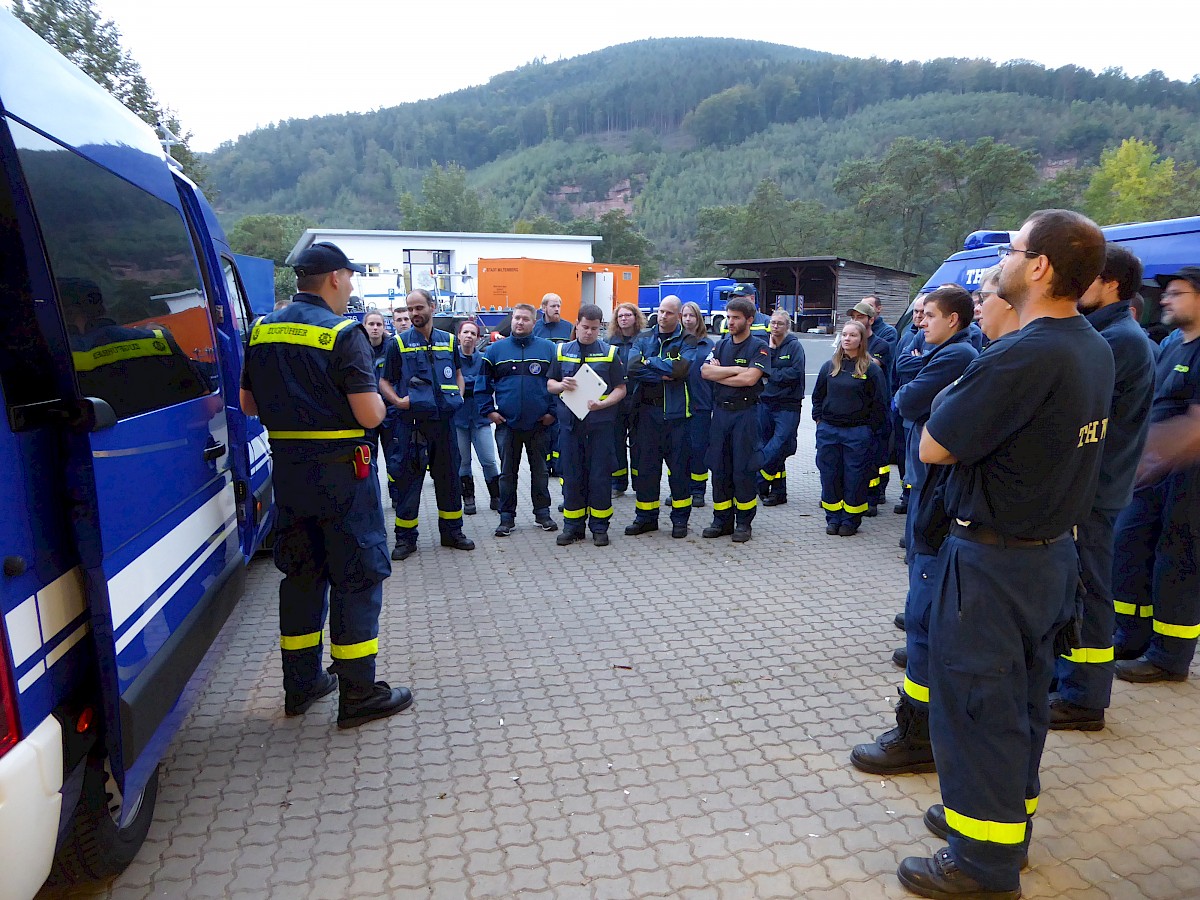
(1024, 429)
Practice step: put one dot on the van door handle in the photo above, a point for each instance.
(216, 451)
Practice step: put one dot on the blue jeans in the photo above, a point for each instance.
(480, 437)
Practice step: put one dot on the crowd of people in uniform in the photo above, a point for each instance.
(1049, 456)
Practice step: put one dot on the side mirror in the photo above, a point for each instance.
(94, 414)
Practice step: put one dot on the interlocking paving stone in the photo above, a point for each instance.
(620, 722)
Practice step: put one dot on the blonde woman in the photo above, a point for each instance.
(627, 323)
(849, 403)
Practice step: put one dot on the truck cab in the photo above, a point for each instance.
(133, 489)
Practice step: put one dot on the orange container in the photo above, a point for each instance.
(503, 283)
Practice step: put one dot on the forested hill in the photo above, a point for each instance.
(666, 128)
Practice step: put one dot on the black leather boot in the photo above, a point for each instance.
(468, 494)
(905, 750)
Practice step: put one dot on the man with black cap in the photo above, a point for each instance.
(1156, 566)
(882, 351)
(310, 377)
(761, 326)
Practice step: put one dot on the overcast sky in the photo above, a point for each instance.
(230, 66)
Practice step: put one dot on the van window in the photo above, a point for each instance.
(133, 304)
(27, 369)
(243, 318)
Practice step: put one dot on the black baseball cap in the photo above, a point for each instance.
(324, 257)
(1187, 273)
(741, 290)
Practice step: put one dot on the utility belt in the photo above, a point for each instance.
(357, 456)
(737, 404)
(984, 534)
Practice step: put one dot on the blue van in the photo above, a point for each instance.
(133, 490)
(1163, 247)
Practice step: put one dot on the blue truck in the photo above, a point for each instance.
(1163, 247)
(133, 489)
(710, 294)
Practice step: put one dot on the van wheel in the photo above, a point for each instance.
(95, 847)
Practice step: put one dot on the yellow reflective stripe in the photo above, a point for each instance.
(600, 513)
(1187, 632)
(354, 651)
(702, 477)
(1125, 609)
(916, 691)
(722, 505)
(740, 505)
(452, 514)
(1089, 655)
(633, 471)
(574, 513)
(766, 475)
(646, 504)
(982, 830)
(448, 387)
(316, 435)
(680, 504)
(405, 523)
(443, 348)
(855, 510)
(620, 472)
(1031, 806)
(885, 470)
(297, 334)
(874, 482)
(105, 354)
(299, 641)
(832, 507)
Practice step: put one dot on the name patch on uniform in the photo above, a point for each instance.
(1183, 368)
(1093, 432)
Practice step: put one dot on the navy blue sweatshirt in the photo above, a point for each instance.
(847, 400)
(785, 384)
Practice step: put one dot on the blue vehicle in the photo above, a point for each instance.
(133, 489)
(710, 294)
(1163, 247)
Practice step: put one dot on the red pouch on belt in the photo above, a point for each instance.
(362, 461)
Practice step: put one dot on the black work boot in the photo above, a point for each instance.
(493, 486)
(359, 704)
(935, 821)
(298, 704)
(457, 540)
(905, 750)
(939, 877)
(468, 494)
(778, 495)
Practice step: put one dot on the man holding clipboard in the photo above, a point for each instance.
(589, 379)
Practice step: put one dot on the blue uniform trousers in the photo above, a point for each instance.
(432, 444)
(1085, 675)
(880, 469)
(510, 443)
(699, 430)
(844, 459)
(778, 430)
(587, 458)
(661, 440)
(554, 450)
(917, 607)
(624, 431)
(1156, 579)
(734, 457)
(996, 612)
(331, 546)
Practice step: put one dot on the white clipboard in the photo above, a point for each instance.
(588, 386)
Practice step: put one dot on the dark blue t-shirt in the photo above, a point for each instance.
(1178, 380)
(1026, 422)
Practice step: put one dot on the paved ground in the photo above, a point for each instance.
(660, 718)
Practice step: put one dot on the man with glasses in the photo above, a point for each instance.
(1024, 428)
(1085, 674)
(1156, 583)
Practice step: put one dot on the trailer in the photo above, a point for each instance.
(503, 283)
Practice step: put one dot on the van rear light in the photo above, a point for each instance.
(8, 703)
